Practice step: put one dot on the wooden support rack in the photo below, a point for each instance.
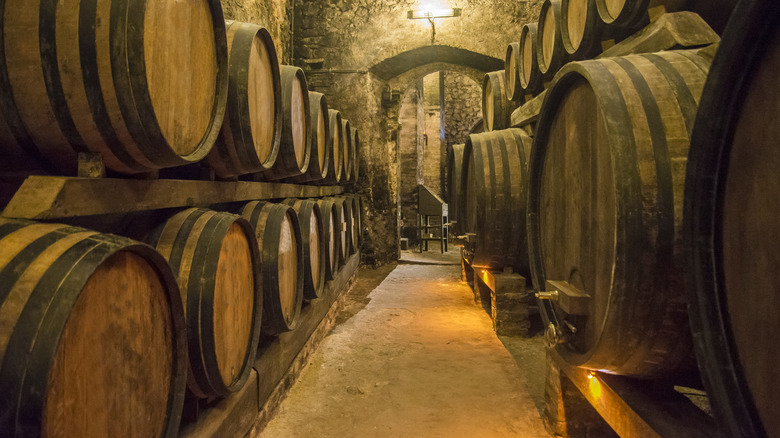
(50, 197)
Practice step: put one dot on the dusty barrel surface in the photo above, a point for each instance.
(550, 54)
(85, 317)
(348, 152)
(454, 175)
(295, 147)
(215, 258)
(314, 246)
(604, 210)
(329, 223)
(731, 229)
(529, 75)
(278, 236)
(496, 107)
(112, 78)
(321, 141)
(250, 135)
(494, 185)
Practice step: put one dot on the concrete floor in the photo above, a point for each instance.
(414, 356)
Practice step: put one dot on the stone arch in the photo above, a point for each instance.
(420, 57)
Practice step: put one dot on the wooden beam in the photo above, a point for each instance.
(636, 408)
(48, 197)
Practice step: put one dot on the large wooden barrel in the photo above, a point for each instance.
(344, 225)
(126, 88)
(321, 141)
(496, 107)
(250, 135)
(604, 210)
(581, 28)
(512, 71)
(279, 238)
(295, 148)
(454, 171)
(494, 184)
(85, 317)
(313, 242)
(348, 152)
(356, 155)
(331, 248)
(731, 227)
(215, 258)
(336, 161)
(550, 54)
(529, 75)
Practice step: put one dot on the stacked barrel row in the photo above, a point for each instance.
(644, 195)
(129, 91)
(575, 30)
(87, 316)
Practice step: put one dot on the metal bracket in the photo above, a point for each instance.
(570, 299)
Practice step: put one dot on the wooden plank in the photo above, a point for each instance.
(529, 112)
(48, 197)
(233, 416)
(670, 31)
(637, 408)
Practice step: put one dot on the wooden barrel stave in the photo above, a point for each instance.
(313, 238)
(279, 238)
(529, 75)
(604, 208)
(581, 29)
(512, 71)
(495, 178)
(121, 106)
(250, 135)
(215, 259)
(82, 308)
(730, 232)
(550, 53)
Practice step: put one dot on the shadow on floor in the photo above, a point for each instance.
(368, 279)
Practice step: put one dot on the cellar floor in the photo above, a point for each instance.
(414, 356)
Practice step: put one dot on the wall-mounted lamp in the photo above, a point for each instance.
(430, 14)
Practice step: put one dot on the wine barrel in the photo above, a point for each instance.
(531, 81)
(215, 258)
(321, 141)
(550, 54)
(607, 173)
(581, 28)
(730, 227)
(347, 152)
(627, 14)
(356, 147)
(295, 147)
(250, 135)
(313, 242)
(454, 197)
(356, 234)
(120, 88)
(494, 182)
(85, 317)
(496, 108)
(330, 231)
(344, 214)
(512, 71)
(279, 238)
(336, 162)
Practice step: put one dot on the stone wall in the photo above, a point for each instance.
(462, 107)
(274, 15)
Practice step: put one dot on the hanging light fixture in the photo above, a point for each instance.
(431, 13)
